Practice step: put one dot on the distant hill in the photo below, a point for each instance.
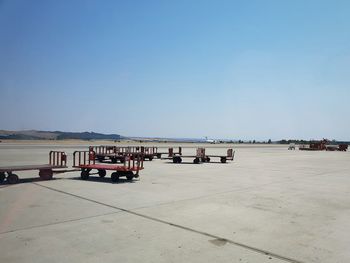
(55, 135)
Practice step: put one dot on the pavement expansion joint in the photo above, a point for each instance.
(238, 244)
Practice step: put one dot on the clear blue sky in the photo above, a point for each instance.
(222, 69)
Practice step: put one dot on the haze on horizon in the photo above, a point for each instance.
(223, 69)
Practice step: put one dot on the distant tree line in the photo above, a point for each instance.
(293, 141)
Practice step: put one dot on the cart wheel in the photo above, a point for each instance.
(115, 177)
(223, 159)
(2, 177)
(84, 175)
(102, 173)
(208, 159)
(129, 176)
(196, 160)
(46, 174)
(177, 159)
(12, 179)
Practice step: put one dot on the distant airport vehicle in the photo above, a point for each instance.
(340, 148)
(291, 146)
(85, 160)
(323, 145)
(57, 160)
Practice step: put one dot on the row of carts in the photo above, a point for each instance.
(122, 161)
(117, 153)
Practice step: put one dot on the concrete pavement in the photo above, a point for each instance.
(269, 205)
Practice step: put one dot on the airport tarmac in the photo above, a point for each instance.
(269, 205)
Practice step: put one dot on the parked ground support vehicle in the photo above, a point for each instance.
(170, 152)
(149, 152)
(291, 146)
(314, 146)
(323, 145)
(201, 156)
(340, 148)
(230, 154)
(177, 158)
(85, 160)
(57, 160)
(343, 147)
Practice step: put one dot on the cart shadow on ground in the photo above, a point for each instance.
(183, 163)
(96, 179)
(218, 162)
(91, 179)
(27, 180)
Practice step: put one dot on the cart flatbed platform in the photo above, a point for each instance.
(30, 167)
(57, 160)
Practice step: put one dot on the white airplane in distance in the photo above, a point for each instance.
(211, 140)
